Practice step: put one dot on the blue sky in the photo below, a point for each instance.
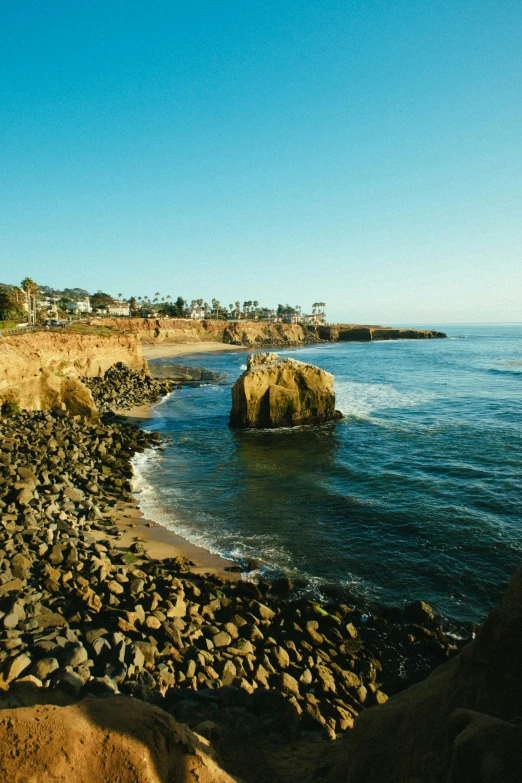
(365, 154)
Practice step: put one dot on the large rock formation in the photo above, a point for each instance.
(274, 392)
(460, 725)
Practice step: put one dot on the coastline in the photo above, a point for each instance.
(160, 542)
(103, 602)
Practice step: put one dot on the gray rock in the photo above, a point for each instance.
(306, 677)
(70, 682)
(17, 666)
(281, 657)
(222, 639)
(21, 566)
(262, 611)
(75, 656)
(74, 494)
(10, 621)
(45, 667)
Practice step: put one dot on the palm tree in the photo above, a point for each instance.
(18, 294)
(120, 296)
(31, 290)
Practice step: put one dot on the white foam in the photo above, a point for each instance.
(363, 399)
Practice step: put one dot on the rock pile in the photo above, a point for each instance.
(120, 388)
(80, 613)
(181, 374)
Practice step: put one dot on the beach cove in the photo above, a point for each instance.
(409, 477)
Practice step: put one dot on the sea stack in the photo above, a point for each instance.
(275, 392)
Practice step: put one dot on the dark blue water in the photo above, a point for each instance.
(417, 493)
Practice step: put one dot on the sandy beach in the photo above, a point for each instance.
(159, 541)
(165, 350)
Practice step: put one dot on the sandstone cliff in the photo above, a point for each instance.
(359, 333)
(257, 333)
(460, 725)
(183, 330)
(41, 370)
(274, 392)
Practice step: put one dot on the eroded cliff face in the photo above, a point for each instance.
(274, 392)
(183, 330)
(460, 725)
(257, 333)
(41, 370)
(360, 333)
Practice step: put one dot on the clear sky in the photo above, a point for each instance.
(362, 153)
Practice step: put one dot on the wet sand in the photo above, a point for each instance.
(159, 541)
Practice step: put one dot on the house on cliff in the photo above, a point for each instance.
(120, 309)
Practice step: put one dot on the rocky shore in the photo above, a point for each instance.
(121, 387)
(81, 614)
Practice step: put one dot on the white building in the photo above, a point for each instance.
(197, 313)
(315, 318)
(119, 309)
(81, 306)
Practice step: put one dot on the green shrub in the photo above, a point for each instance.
(9, 408)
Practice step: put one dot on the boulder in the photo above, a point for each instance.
(275, 392)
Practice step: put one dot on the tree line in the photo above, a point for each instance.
(18, 303)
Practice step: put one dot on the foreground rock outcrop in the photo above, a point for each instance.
(274, 392)
(97, 741)
(460, 725)
(41, 370)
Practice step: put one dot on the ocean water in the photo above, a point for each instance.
(417, 493)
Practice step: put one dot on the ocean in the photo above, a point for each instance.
(416, 493)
